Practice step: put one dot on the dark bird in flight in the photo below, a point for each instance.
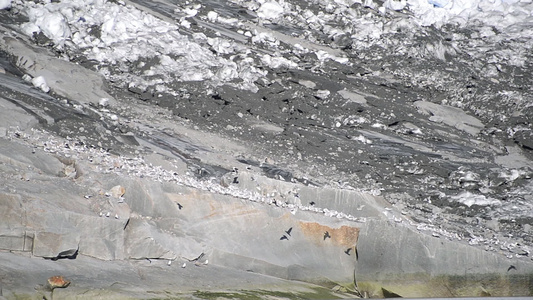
(312, 203)
(326, 235)
(179, 205)
(284, 237)
(511, 268)
(348, 251)
(289, 231)
(235, 180)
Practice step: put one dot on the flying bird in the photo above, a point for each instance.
(326, 235)
(289, 231)
(511, 268)
(235, 179)
(347, 251)
(284, 237)
(312, 203)
(179, 205)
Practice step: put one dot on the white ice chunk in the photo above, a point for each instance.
(190, 12)
(5, 4)
(40, 82)
(270, 10)
(277, 62)
(212, 16)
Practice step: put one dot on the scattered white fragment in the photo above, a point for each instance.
(26, 77)
(184, 265)
(185, 23)
(322, 94)
(470, 199)
(277, 62)
(104, 102)
(307, 83)
(169, 262)
(361, 138)
(190, 12)
(116, 216)
(108, 214)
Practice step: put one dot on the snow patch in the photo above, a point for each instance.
(5, 4)
(470, 199)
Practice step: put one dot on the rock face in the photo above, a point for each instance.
(49, 217)
(128, 200)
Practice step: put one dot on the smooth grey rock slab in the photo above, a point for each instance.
(25, 159)
(12, 115)
(451, 116)
(56, 244)
(146, 241)
(387, 252)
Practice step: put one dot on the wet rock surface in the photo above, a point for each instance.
(419, 162)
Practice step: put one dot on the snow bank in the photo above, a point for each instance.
(118, 35)
(498, 13)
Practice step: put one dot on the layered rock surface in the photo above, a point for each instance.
(152, 207)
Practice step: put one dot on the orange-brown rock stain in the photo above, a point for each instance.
(344, 236)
